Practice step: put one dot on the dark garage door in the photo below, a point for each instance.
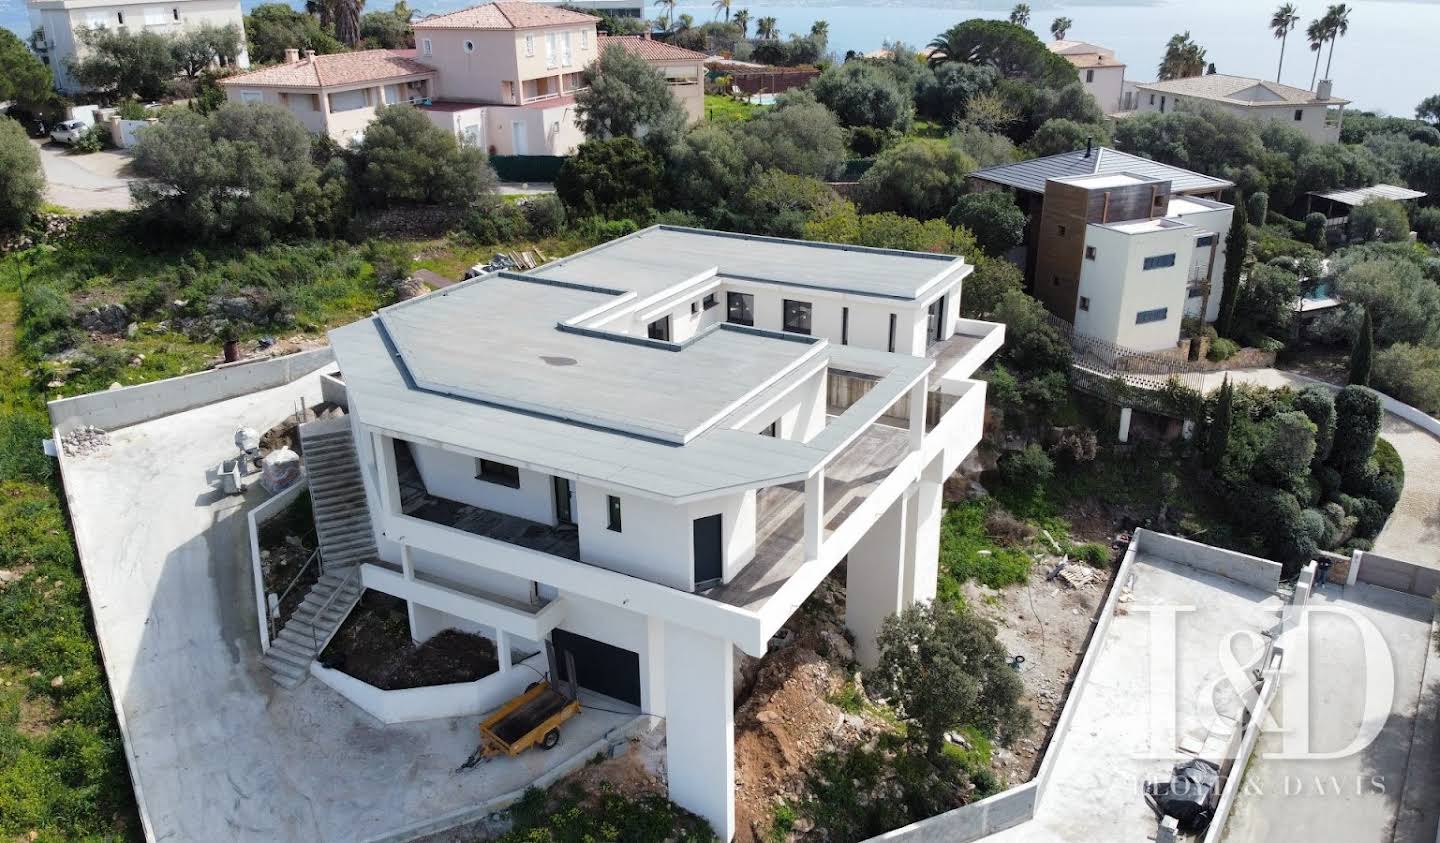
(602, 668)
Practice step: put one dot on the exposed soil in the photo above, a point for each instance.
(1331, 365)
(374, 646)
(286, 434)
(286, 543)
(1048, 623)
(787, 719)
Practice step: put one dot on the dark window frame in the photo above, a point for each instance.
(1084, 303)
(709, 301)
(1299, 115)
(797, 307)
(1089, 253)
(891, 344)
(614, 521)
(659, 329)
(747, 308)
(1151, 316)
(845, 326)
(772, 429)
(1164, 261)
(1205, 241)
(498, 473)
(1090, 75)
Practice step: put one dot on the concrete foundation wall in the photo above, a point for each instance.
(1250, 570)
(1382, 571)
(118, 408)
(255, 519)
(1234, 779)
(974, 821)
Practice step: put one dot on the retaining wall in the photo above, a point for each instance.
(1018, 804)
(1234, 780)
(1251, 570)
(117, 408)
(1385, 572)
(461, 699)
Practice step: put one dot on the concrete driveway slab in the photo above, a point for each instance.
(94, 182)
(217, 751)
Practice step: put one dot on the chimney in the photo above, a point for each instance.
(1322, 90)
(645, 35)
(1089, 146)
(292, 56)
(309, 55)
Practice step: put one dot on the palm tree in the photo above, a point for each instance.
(667, 14)
(1183, 58)
(722, 5)
(320, 9)
(1337, 20)
(1281, 24)
(1059, 27)
(1020, 15)
(1316, 33)
(742, 18)
(820, 30)
(764, 28)
(347, 21)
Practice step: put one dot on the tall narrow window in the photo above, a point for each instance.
(844, 326)
(740, 308)
(612, 505)
(1089, 76)
(795, 316)
(429, 47)
(891, 348)
(550, 50)
(120, 18)
(529, 45)
(660, 329)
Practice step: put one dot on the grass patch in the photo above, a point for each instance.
(564, 814)
(722, 109)
(967, 552)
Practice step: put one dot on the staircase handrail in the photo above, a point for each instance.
(280, 601)
(314, 639)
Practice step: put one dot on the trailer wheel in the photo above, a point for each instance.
(551, 738)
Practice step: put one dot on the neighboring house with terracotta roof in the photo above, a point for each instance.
(684, 69)
(501, 76)
(1318, 114)
(336, 94)
(1100, 72)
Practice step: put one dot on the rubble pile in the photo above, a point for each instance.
(83, 441)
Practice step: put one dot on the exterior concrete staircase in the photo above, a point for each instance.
(342, 524)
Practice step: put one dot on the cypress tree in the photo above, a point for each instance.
(1362, 352)
(1237, 244)
(1218, 437)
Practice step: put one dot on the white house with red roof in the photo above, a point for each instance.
(500, 75)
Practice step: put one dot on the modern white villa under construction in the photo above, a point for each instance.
(649, 454)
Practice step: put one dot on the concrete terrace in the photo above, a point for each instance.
(1110, 748)
(216, 749)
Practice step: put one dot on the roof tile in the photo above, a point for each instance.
(335, 69)
(504, 14)
(650, 50)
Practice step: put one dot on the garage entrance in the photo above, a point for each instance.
(599, 667)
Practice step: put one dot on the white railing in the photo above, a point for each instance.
(540, 98)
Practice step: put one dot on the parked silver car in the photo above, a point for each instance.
(69, 131)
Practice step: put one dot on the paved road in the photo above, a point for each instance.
(85, 182)
(1413, 531)
(218, 751)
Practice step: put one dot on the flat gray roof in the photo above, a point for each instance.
(661, 257)
(498, 339)
(510, 365)
(1031, 175)
(1356, 196)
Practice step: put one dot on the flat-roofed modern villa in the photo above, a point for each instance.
(649, 454)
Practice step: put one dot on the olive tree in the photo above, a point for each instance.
(943, 668)
(626, 97)
(921, 178)
(406, 158)
(21, 180)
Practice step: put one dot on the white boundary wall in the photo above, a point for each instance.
(117, 408)
(462, 699)
(1269, 686)
(255, 518)
(1394, 574)
(1250, 570)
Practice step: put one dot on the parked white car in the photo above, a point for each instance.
(69, 131)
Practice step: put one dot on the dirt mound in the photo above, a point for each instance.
(787, 719)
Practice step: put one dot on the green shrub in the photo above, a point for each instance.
(1094, 554)
(496, 222)
(132, 110)
(1222, 349)
(22, 181)
(1027, 469)
(968, 553)
(1410, 373)
(96, 138)
(545, 214)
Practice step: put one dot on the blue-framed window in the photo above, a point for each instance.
(1145, 317)
(1160, 261)
(1207, 240)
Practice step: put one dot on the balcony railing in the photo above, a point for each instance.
(540, 98)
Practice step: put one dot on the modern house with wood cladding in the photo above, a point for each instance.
(646, 456)
(1121, 247)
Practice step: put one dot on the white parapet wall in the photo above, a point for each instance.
(117, 408)
(1240, 567)
(1394, 574)
(461, 699)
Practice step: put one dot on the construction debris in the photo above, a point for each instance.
(279, 470)
(1078, 576)
(83, 441)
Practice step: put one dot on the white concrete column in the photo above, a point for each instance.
(652, 678)
(919, 395)
(407, 562)
(700, 725)
(814, 514)
(502, 649)
(924, 535)
(874, 581)
(1124, 433)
